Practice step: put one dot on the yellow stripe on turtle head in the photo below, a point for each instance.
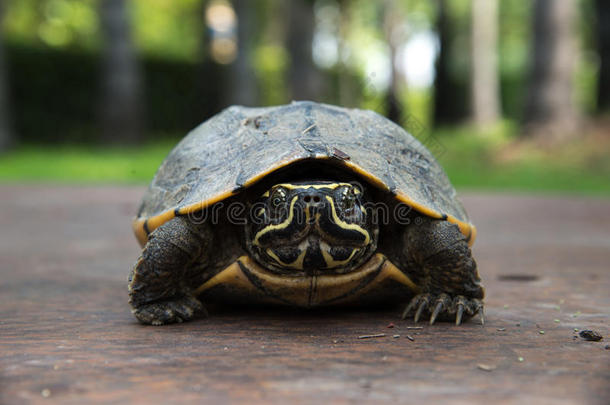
(345, 225)
(274, 227)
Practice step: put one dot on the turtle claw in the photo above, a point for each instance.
(437, 310)
(420, 302)
(443, 307)
(422, 306)
(408, 309)
(460, 312)
(175, 310)
(442, 303)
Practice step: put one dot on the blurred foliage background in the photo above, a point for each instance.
(514, 94)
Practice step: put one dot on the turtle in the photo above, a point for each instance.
(307, 205)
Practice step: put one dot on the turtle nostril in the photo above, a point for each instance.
(312, 199)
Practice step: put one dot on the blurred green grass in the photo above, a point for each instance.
(473, 160)
(83, 164)
(497, 160)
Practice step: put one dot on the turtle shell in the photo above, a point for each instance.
(240, 146)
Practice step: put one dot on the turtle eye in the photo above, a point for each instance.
(347, 198)
(278, 198)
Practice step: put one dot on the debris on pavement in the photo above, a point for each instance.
(486, 367)
(590, 335)
(371, 336)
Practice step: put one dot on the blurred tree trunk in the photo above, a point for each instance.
(6, 134)
(485, 91)
(449, 97)
(603, 46)
(121, 101)
(392, 27)
(210, 82)
(550, 113)
(303, 76)
(242, 78)
(348, 91)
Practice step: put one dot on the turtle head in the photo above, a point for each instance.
(311, 228)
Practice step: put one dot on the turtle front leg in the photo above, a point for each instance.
(449, 280)
(158, 292)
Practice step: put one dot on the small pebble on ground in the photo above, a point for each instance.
(590, 335)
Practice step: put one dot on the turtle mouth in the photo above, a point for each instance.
(312, 255)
